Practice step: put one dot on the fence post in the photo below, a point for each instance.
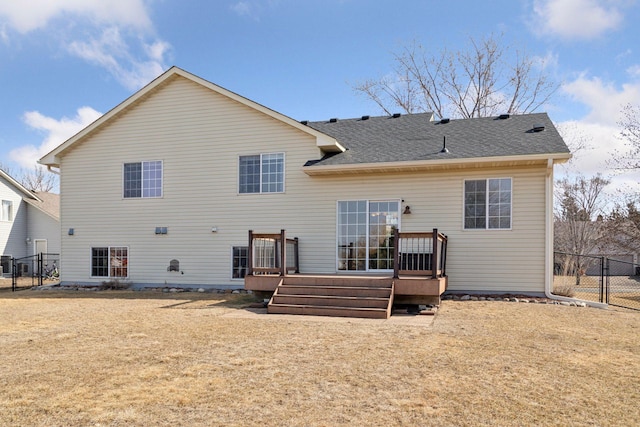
(608, 273)
(14, 278)
(601, 296)
(40, 269)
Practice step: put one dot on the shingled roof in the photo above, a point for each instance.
(417, 137)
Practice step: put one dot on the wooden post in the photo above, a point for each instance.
(444, 256)
(283, 254)
(250, 255)
(434, 255)
(396, 253)
(296, 255)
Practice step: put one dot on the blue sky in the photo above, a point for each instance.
(65, 62)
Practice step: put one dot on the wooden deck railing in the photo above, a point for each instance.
(415, 254)
(267, 254)
(420, 254)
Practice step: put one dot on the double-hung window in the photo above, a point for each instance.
(7, 211)
(487, 203)
(142, 179)
(110, 261)
(261, 173)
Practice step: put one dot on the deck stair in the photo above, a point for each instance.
(333, 296)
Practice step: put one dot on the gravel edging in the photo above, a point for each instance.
(512, 298)
(164, 289)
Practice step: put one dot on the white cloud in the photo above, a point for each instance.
(634, 70)
(604, 99)
(253, 8)
(38, 13)
(55, 133)
(109, 33)
(599, 130)
(112, 52)
(242, 8)
(576, 19)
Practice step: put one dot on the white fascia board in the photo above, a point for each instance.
(18, 186)
(498, 161)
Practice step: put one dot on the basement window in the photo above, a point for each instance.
(110, 261)
(239, 261)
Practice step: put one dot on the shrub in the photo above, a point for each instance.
(564, 290)
(115, 284)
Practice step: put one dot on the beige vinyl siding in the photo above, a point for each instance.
(199, 135)
(480, 260)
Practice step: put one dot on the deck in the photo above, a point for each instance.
(419, 277)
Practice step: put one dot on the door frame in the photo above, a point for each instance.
(368, 230)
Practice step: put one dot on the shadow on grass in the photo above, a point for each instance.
(178, 299)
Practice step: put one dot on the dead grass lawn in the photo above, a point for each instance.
(125, 358)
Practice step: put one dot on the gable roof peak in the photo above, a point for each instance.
(52, 159)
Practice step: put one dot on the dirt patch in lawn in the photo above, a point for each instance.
(143, 358)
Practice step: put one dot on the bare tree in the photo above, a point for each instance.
(39, 179)
(579, 223)
(624, 226)
(630, 132)
(482, 81)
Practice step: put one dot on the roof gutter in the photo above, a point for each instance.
(548, 277)
(50, 168)
(399, 166)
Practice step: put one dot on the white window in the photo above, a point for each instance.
(365, 234)
(487, 203)
(142, 179)
(261, 173)
(110, 261)
(239, 261)
(7, 210)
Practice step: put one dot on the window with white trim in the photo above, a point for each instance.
(7, 210)
(487, 203)
(110, 261)
(142, 179)
(261, 173)
(240, 257)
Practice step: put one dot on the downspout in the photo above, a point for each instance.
(50, 169)
(548, 276)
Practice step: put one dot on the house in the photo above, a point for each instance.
(163, 190)
(29, 223)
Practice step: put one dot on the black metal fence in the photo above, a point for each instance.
(597, 278)
(35, 270)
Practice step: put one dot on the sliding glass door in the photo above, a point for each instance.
(365, 234)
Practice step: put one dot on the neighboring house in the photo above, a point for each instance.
(596, 240)
(29, 222)
(163, 189)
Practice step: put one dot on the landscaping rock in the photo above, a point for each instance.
(201, 290)
(465, 298)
